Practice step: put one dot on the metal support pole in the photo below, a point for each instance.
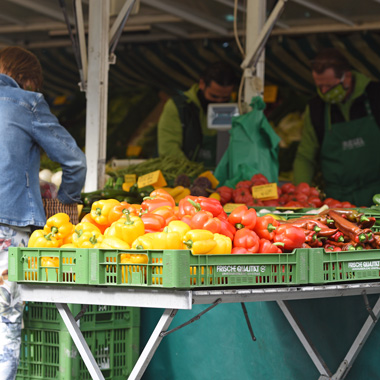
(254, 81)
(97, 93)
(79, 341)
(358, 344)
(152, 344)
(305, 340)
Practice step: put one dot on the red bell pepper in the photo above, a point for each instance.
(266, 226)
(204, 220)
(291, 236)
(239, 250)
(267, 246)
(248, 239)
(227, 228)
(153, 222)
(242, 217)
(191, 205)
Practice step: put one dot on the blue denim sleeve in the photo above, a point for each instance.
(60, 147)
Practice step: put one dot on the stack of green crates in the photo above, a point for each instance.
(48, 351)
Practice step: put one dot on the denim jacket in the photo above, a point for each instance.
(26, 125)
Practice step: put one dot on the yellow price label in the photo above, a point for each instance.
(130, 178)
(265, 192)
(270, 94)
(229, 207)
(155, 179)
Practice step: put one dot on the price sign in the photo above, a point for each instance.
(129, 181)
(229, 207)
(155, 179)
(265, 192)
(130, 178)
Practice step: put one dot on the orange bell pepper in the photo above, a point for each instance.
(88, 218)
(153, 222)
(120, 210)
(100, 210)
(157, 198)
(167, 212)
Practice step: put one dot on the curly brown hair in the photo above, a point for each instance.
(23, 66)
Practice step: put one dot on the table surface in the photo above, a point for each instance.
(184, 299)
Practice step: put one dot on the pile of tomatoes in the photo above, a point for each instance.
(289, 195)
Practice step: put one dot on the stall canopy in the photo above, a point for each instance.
(166, 43)
(184, 35)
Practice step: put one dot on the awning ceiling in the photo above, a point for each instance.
(184, 35)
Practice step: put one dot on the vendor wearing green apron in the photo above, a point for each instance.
(182, 127)
(341, 132)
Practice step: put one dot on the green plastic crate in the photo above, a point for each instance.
(45, 315)
(48, 355)
(182, 269)
(344, 266)
(52, 355)
(25, 265)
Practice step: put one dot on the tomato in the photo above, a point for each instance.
(288, 187)
(245, 184)
(314, 192)
(303, 187)
(293, 204)
(301, 197)
(332, 203)
(315, 201)
(271, 203)
(259, 179)
(348, 205)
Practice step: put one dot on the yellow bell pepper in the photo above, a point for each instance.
(49, 261)
(80, 229)
(90, 239)
(59, 225)
(215, 195)
(39, 239)
(114, 243)
(135, 258)
(159, 240)
(223, 245)
(201, 242)
(178, 226)
(69, 238)
(127, 229)
(100, 210)
(68, 245)
(184, 193)
(144, 242)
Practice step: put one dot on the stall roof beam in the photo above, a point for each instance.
(324, 11)
(39, 8)
(187, 15)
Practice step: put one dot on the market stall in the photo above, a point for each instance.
(173, 300)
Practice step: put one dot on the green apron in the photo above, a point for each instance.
(207, 152)
(349, 159)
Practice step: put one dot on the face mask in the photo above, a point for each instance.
(335, 95)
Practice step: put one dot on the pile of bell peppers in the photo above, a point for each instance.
(198, 223)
